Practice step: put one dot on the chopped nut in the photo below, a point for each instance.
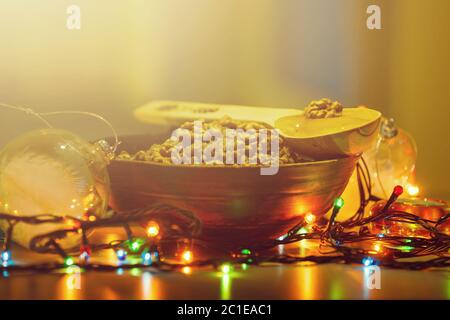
(161, 153)
(323, 108)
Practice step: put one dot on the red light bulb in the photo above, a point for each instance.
(85, 253)
(398, 190)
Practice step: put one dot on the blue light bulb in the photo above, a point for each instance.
(6, 255)
(147, 258)
(121, 254)
(84, 256)
(367, 261)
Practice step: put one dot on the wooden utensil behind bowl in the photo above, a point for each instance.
(330, 141)
(237, 205)
(333, 138)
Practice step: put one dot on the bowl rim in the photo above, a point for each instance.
(248, 167)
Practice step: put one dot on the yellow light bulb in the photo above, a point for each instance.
(412, 190)
(377, 247)
(310, 218)
(187, 256)
(152, 229)
(186, 270)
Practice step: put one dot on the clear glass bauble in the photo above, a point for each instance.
(52, 171)
(392, 161)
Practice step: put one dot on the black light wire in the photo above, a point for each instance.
(340, 242)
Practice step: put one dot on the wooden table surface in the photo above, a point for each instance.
(278, 282)
(327, 281)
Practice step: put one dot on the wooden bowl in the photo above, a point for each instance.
(237, 205)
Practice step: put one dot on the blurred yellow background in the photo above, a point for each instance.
(253, 52)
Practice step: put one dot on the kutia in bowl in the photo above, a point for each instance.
(237, 204)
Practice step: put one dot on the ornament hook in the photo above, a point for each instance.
(41, 116)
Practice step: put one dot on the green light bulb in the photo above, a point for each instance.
(339, 202)
(135, 246)
(226, 268)
(405, 248)
(69, 261)
(246, 252)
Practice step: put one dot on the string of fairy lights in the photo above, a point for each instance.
(349, 241)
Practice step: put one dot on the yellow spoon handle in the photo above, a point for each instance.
(176, 112)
